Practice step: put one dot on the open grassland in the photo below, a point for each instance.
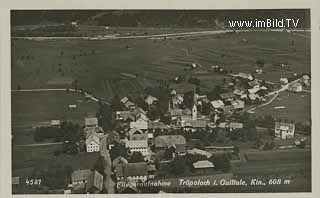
(32, 109)
(297, 107)
(97, 64)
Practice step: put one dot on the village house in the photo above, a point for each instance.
(141, 124)
(235, 125)
(259, 71)
(194, 125)
(237, 104)
(124, 116)
(98, 130)
(119, 160)
(284, 80)
(226, 96)
(153, 126)
(113, 138)
(164, 142)
(217, 104)
(138, 146)
(137, 134)
(295, 87)
(127, 103)
(245, 76)
(91, 122)
(133, 172)
(86, 181)
(228, 108)
(177, 100)
(306, 80)
(196, 151)
(55, 123)
(253, 97)
(284, 130)
(238, 92)
(150, 100)
(203, 167)
(93, 142)
(254, 84)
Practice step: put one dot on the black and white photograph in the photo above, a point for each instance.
(123, 101)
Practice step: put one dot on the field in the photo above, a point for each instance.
(97, 65)
(297, 107)
(124, 66)
(32, 109)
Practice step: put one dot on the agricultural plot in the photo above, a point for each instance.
(41, 64)
(296, 107)
(32, 109)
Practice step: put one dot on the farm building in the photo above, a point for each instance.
(227, 96)
(142, 125)
(153, 126)
(217, 104)
(98, 130)
(238, 92)
(177, 100)
(203, 167)
(165, 141)
(296, 87)
(124, 115)
(284, 80)
(237, 104)
(132, 171)
(55, 123)
(87, 181)
(245, 76)
(151, 100)
(135, 134)
(91, 122)
(254, 84)
(194, 125)
(196, 151)
(235, 125)
(138, 146)
(284, 130)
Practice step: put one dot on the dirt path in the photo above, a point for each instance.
(39, 144)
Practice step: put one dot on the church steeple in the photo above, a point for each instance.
(194, 108)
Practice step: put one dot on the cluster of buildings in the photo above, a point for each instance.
(152, 137)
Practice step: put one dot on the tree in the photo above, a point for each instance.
(214, 93)
(168, 154)
(116, 103)
(118, 150)
(136, 157)
(260, 62)
(104, 116)
(178, 166)
(221, 162)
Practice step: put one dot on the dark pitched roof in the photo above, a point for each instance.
(131, 169)
(169, 140)
(226, 95)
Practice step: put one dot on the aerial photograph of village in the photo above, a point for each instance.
(160, 101)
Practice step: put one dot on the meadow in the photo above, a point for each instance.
(97, 64)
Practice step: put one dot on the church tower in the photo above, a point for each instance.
(194, 108)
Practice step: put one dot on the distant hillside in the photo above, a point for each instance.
(152, 18)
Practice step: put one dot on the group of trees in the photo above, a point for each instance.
(119, 150)
(66, 132)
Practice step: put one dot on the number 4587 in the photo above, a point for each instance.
(31, 182)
